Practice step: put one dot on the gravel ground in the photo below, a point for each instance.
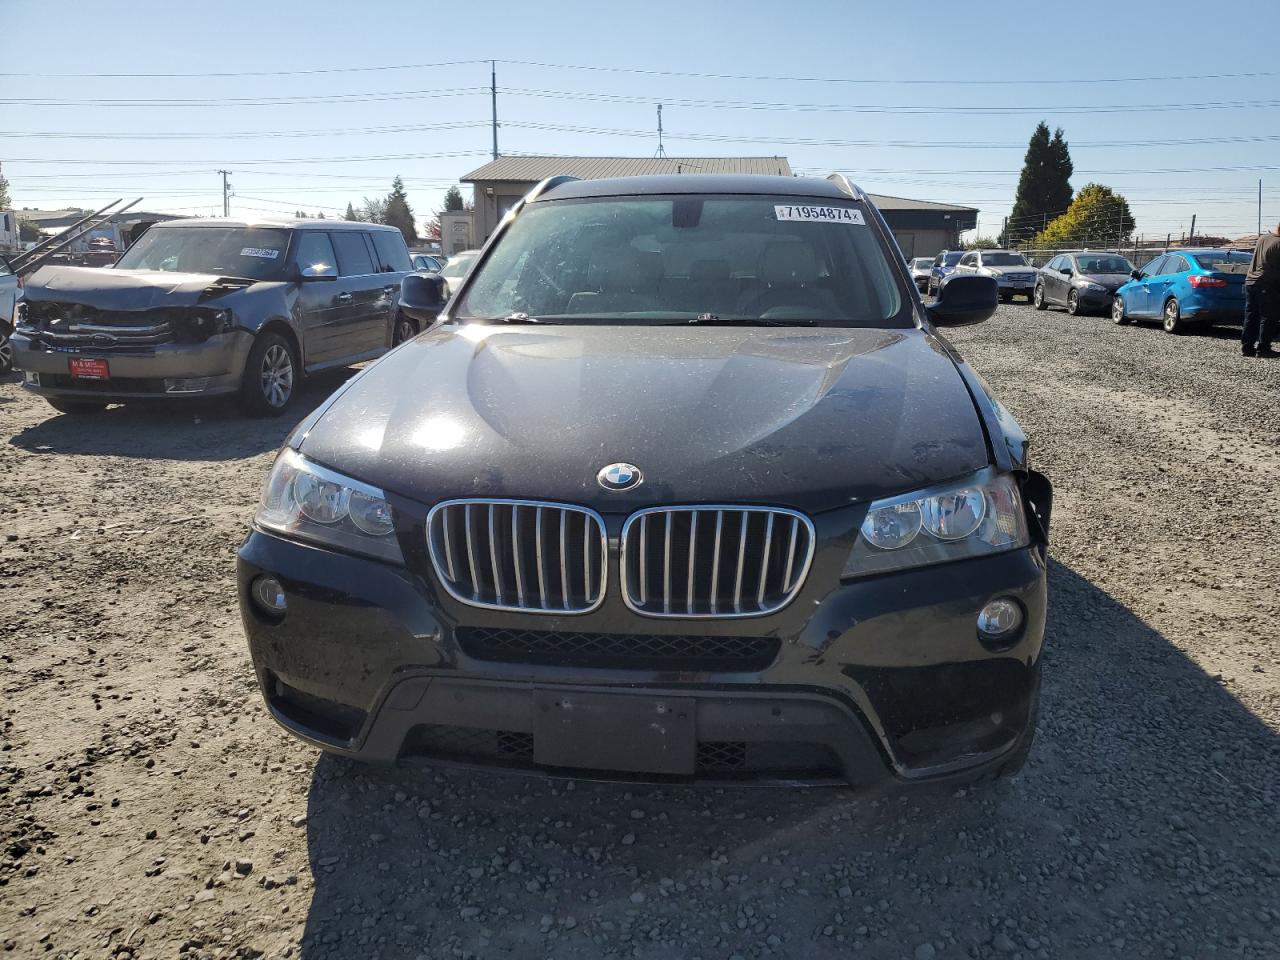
(150, 808)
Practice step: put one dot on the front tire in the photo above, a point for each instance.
(75, 407)
(405, 329)
(1118, 316)
(1073, 303)
(1173, 317)
(1037, 298)
(270, 376)
(6, 354)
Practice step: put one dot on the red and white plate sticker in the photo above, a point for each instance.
(819, 214)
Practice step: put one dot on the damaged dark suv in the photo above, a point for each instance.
(206, 307)
(684, 484)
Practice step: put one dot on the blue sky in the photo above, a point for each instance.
(948, 138)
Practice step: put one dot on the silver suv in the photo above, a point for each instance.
(203, 307)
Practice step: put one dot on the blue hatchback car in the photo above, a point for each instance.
(1184, 287)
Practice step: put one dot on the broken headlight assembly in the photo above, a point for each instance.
(305, 501)
(974, 518)
(196, 326)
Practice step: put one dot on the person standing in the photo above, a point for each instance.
(1262, 297)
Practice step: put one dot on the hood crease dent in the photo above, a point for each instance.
(810, 419)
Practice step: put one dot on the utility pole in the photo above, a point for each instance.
(1259, 208)
(661, 150)
(493, 100)
(1191, 238)
(226, 193)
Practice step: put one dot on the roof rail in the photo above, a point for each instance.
(549, 183)
(847, 186)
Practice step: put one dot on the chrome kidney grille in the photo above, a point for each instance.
(523, 555)
(714, 561)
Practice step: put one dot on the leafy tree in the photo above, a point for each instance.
(981, 243)
(5, 201)
(398, 213)
(1098, 216)
(453, 200)
(372, 211)
(28, 230)
(351, 212)
(433, 229)
(1044, 188)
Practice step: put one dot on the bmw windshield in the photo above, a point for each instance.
(680, 259)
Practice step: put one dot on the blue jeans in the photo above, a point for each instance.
(1260, 316)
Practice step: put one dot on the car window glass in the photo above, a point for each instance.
(1054, 264)
(393, 256)
(4, 267)
(1003, 258)
(658, 259)
(1154, 267)
(315, 252)
(353, 253)
(255, 253)
(1103, 263)
(969, 260)
(1226, 261)
(1174, 265)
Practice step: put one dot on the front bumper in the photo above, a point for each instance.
(171, 369)
(1095, 299)
(882, 679)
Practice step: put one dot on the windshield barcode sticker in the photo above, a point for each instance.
(823, 214)
(262, 252)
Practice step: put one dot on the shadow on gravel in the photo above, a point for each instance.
(1145, 816)
(211, 429)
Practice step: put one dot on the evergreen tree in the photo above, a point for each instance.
(452, 200)
(398, 213)
(1044, 188)
(4, 193)
(351, 212)
(1097, 217)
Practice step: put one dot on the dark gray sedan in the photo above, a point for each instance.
(1081, 282)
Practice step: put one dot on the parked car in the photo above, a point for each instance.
(1008, 268)
(100, 252)
(920, 267)
(684, 483)
(1185, 287)
(1081, 282)
(427, 261)
(944, 264)
(10, 288)
(205, 307)
(455, 270)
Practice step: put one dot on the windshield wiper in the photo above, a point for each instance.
(711, 318)
(517, 317)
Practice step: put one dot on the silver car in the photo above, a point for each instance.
(10, 286)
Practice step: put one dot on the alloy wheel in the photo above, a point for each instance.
(6, 355)
(1073, 303)
(405, 330)
(1172, 317)
(277, 375)
(1117, 310)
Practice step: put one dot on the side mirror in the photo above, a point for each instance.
(1067, 271)
(1136, 274)
(965, 299)
(422, 296)
(319, 271)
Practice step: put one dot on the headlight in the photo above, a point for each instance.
(1090, 285)
(973, 519)
(310, 502)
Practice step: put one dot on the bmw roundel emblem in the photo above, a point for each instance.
(619, 476)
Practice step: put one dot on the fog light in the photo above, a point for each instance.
(270, 595)
(186, 385)
(1000, 619)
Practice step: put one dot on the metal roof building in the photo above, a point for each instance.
(922, 227)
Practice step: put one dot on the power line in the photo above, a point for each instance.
(187, 103)
(251, 73)
(243, 134)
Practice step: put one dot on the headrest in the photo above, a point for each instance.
(623, 268)
(788, 263)
(708, 271)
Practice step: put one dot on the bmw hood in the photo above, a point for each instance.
(811, 419)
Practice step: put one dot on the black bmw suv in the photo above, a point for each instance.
(683, 483)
